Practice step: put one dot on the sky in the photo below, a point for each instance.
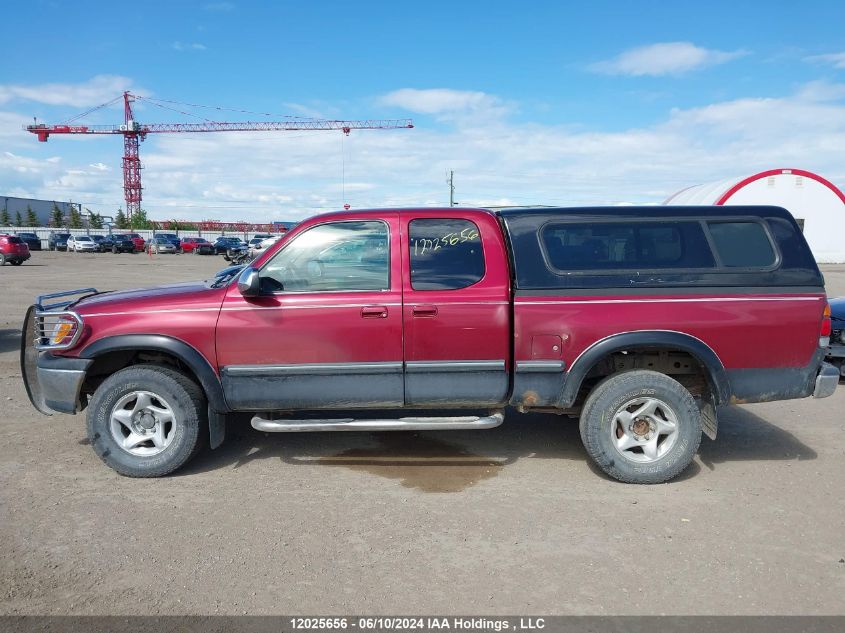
(533, 102)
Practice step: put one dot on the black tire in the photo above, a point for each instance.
(599, 426)
(115, 250)
(2, 259)
(16, 262)
(190, 419)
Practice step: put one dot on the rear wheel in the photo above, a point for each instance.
(146, 420)
(16, 262)
(641, 427)
(2, 259)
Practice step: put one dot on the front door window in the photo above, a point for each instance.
(335, 257)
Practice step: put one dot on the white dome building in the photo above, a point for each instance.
(816, 203)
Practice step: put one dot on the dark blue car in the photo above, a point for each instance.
(836, 352)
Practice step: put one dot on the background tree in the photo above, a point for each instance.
(57, 218)
(31, 217)
(18, 219)
(75, 218)
(5, 220)
(95, 221)
(139, 221)
(120, 220)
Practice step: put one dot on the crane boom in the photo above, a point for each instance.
(44, 131)
(133, 132)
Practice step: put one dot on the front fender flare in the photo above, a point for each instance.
(656, 339)
(202, 369)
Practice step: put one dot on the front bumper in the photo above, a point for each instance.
(826, 381)
(52, 382)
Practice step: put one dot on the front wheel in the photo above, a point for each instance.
(641, 427)
(146, 421)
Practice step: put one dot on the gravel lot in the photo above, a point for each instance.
(507, 521)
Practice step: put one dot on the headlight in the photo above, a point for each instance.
(63, 331)
(57, 330)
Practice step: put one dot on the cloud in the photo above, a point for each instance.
(837, 60)
(96, 90)
(440, 100)
(180, 46)
(666, 58)
(290, 175)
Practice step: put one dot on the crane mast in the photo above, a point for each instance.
(134, 132)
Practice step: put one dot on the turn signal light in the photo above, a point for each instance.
(62, 331)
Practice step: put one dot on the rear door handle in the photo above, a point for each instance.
(424, 311)
(374, 312)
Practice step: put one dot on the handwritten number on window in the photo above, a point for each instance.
(423, 245)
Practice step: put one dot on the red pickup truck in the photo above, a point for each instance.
(640, 321)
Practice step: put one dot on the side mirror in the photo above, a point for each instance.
(249, 283)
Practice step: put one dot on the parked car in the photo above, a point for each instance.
(13, 250)
(82, 244)
(161, 245)
(190, 244)
(172, 237)
(638, 320)
(137, 240)
(32, 240)
(57, 241)
(103, 242)
(229, 247)
(114, 243)
(836, 351)
(253, 243)
(255, 249)
(204, 248)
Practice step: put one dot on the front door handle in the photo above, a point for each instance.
(424, 311)
(374, 312)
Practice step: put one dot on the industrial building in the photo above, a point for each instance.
(816, 203)
(42, 208)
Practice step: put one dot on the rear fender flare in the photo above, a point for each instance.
(658, 339)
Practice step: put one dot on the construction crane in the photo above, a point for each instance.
(134, 132)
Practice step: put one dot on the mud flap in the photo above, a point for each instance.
(709, 422)
(216, 428)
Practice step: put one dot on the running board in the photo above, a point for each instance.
(401, 424)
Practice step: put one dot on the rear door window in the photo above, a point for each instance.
(445, 254)
(742, 244)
